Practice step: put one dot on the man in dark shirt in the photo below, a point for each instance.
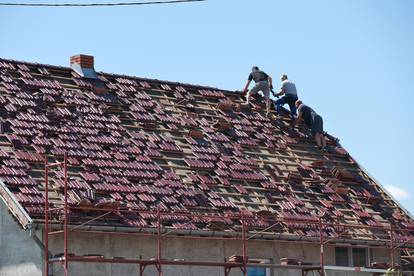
(263, 83)
(314, 121)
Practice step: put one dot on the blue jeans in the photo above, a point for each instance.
(290, 100)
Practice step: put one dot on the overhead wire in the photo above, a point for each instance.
(97, 4)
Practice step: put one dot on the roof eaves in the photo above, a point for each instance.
(265, 236)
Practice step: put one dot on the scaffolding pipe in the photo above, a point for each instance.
(244, 241)
(46, 233)
(322, 259)
(158, 262)
(159, 268)
(91, 220)
(66, 233)
(392, 248)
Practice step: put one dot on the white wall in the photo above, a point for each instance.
(19, 254)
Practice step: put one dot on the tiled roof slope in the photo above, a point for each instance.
(184, 148)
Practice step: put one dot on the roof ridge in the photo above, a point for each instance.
(120, 75)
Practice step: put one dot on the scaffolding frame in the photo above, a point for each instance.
(158, 262)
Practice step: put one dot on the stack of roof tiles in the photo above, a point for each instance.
(146, 144)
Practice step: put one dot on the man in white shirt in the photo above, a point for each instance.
(290, 96)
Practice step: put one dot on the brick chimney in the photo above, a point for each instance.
(83, 65)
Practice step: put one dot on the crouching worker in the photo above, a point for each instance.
(263, 83)
(314, 121)
(290, 96)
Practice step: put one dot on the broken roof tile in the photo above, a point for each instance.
(146, 143)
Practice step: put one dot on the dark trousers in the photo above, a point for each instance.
(287, 99)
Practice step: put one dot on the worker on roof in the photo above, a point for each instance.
(263, 83)
(314, 121)
(290, 96)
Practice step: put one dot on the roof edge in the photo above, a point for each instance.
(386, 191)
(15, 207)
(362, 168)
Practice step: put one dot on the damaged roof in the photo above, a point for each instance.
(143, 144)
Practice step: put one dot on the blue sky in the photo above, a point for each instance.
(352, 60)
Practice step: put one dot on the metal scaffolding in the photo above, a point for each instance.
(159, 262)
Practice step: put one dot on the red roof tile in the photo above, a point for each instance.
(145, 143)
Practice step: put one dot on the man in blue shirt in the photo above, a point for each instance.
(314, 121)
(263, 83)
(290, 96)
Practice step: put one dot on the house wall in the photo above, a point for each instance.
(189, 249)
(19, 254)
(177, 248)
